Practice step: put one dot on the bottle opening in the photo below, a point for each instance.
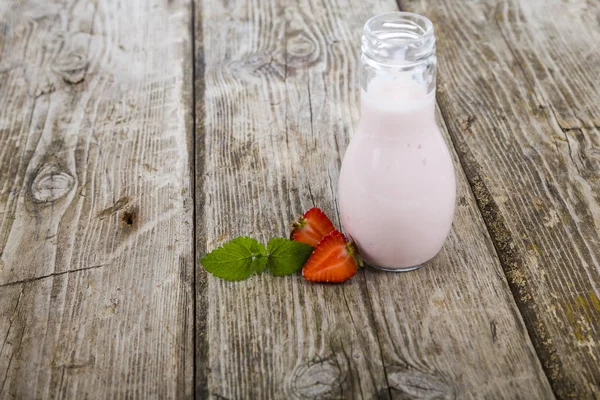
(398, 38)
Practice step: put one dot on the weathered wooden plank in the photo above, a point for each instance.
(278, 86)
(96, 245)
(558, 46)
(510, 81)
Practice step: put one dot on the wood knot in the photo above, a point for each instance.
(120, 204)
(415, 384)
(129, 217)
(50, 184)
(594, 152)
(304, 42)
(321, 379)
(256, 65)
(301, 50)
(72, 67)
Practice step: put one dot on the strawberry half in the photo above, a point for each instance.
(311, 227)
(333, 260)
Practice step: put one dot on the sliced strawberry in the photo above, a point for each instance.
(311, 227)
(333, 260)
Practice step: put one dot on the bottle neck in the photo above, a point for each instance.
(399, 47)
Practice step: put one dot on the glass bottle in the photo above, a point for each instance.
(397, 187)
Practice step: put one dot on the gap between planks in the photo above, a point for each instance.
(200, 365)
(194, 198)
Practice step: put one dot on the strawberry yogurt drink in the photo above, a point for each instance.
(397, 187)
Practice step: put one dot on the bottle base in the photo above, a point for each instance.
(387, 269)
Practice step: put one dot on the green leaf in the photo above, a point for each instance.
(260, 264)
(287, 256)
(237, 259)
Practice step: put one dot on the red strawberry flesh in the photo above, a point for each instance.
(311, 227)
(333, 260)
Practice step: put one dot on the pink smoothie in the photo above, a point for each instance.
(397, 187)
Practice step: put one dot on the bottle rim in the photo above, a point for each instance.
(398, 36)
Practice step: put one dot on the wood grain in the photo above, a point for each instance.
(96, 250)
(278, 84)
(557, 45)
(519, 90)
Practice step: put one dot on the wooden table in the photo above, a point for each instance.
(137, 135)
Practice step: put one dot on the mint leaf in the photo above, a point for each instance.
(236, 260)
(243, 256)
(260, 263)
(287, 256)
